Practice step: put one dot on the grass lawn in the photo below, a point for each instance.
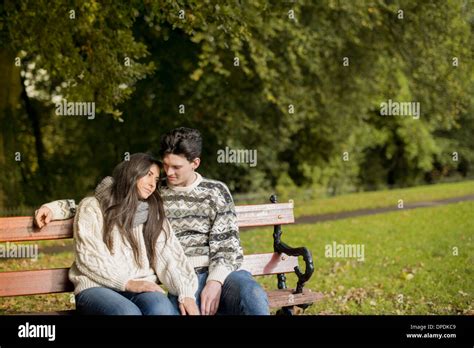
(409, 265)
(379, 199)
(38, 303)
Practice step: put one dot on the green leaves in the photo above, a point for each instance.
(91, 41)
(333, 62)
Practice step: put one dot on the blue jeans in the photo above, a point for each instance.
(105, 301)
(241, 295)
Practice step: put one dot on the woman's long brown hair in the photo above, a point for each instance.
(120, 201)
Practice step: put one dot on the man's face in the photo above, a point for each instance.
(179, 171)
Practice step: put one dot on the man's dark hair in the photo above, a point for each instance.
(182, 141)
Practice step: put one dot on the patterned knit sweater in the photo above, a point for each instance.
(202, 216)
(95, 265)
(204, 220)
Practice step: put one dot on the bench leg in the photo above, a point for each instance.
(281, 280)
(280, 247)
(292, 310)
(282, 285)
(286, 311)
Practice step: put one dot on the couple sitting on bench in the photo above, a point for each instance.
(138, 231)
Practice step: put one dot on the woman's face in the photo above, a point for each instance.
(147, 184)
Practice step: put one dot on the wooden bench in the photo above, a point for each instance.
(283, 260)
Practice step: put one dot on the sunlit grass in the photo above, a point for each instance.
(409, 267)
(378, 199)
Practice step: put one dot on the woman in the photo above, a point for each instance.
(124, 244)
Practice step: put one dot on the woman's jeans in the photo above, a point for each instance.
(241, 295)
(105, 301)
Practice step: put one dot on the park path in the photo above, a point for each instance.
(313, 219)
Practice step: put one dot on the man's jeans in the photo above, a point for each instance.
(104, 301)
(241, 295)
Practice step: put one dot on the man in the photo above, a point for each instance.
(202, 214)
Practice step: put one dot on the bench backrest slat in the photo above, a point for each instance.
(269, 263)
(56, 280)
(16, 229)
(265, 214)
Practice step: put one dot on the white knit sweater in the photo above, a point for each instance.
(202, 216)
(96, 266)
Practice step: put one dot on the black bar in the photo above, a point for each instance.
(275, 330)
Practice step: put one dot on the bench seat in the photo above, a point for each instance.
(282, 261)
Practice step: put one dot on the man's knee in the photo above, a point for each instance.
(237, 278)
(244, 282)
(252, 297)
(254, 300)
(252, 291)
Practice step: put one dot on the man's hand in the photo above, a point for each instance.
(43, 216)
(210, 297)
(142, 286)
(189, 307)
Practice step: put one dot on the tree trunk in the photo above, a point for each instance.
(10, 95)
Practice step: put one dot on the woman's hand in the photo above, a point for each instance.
(189, 307)
(142, 286)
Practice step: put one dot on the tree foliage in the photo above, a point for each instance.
(300, 82)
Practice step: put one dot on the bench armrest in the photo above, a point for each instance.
(281, 247)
